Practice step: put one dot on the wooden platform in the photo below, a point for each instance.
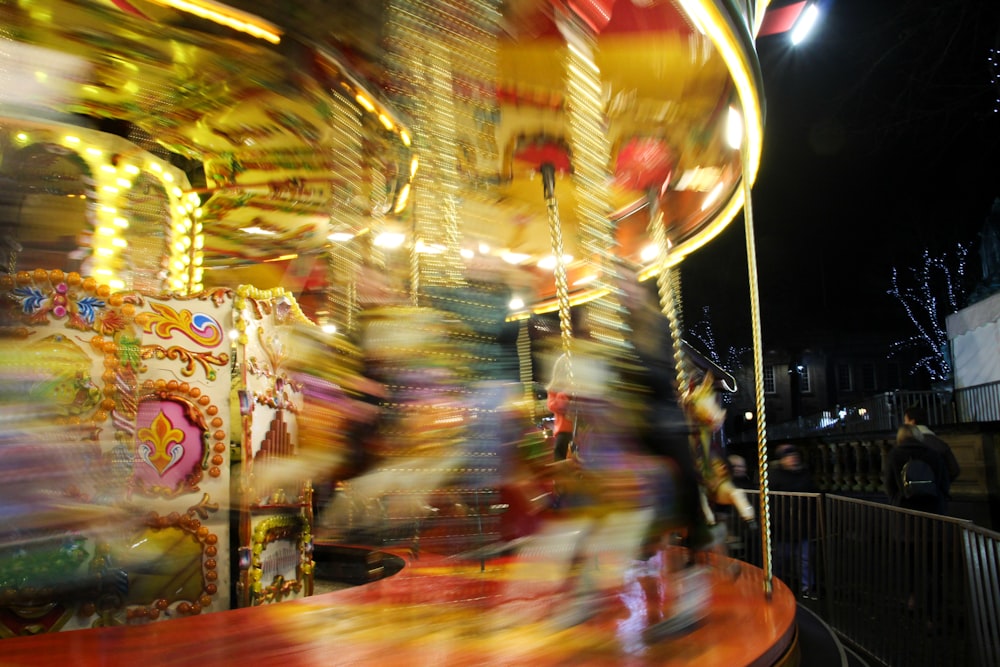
(437, 611)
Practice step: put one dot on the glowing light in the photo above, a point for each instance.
(516, 303)
(22, 137)
(935, 291)
(414, 164)
(329, 328)
(229, 17)
(734, 128)
(549, 263)
(805, 23)
(119, 242)
(116, 284)
(404, 195)
(110, 189)
(340, 237)
(109, 168)
(584, 280)
(106, 231)
(467, 253)
(131, 169)
(405, 136)
(258, 230)
(69, 139)
(386, 121)
(648, 253)
(155, 166)
(94, 151)
(389, 240)
(712, 196)
(124, 182)
(168, 177)
(514, 257)
(365, 102)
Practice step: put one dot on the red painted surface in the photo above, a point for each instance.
(780, 19)
(442, 612)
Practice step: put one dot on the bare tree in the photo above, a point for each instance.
(929, 293)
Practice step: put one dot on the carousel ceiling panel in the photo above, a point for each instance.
(290, 155)
(286, 147)
(665, 87)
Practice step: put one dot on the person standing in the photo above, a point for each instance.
(910, 446)
(793, 549)
(740, 473)
(915, 415)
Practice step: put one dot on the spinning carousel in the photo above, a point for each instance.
(270, 274)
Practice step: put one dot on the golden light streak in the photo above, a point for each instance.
(227, 16)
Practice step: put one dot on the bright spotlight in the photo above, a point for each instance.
(805, 23)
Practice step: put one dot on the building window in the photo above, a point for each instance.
(804, 387)
(768, 374)
(868, 377)
(844, 379)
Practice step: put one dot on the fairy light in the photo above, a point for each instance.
(933, 290)
(993, 62)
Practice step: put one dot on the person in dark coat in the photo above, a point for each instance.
(793, 551)
(915, 415)
(791, 474)
(910, 446)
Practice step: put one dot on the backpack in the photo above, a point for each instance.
(918, 480)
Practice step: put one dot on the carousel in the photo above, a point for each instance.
(281, 284)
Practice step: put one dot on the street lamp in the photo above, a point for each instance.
(796, 18)
(804, 23)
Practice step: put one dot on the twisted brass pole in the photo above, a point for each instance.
(765, 513)
(562, 287)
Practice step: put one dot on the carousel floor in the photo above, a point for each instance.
(437, 611)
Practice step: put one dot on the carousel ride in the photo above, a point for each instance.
(255, 249)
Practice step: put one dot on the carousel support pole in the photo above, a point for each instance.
(562, 287)
(665, 285)
(758, 365)
(668, 288)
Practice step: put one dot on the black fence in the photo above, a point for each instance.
(904, 588)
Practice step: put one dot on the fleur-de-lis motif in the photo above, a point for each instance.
(160, 444)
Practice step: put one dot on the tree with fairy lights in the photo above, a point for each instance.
(935, 289)
(703, 334)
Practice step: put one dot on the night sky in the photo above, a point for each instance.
(881, 141)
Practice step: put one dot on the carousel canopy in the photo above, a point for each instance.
(289, 127)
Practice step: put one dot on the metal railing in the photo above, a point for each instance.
(884, 412)
(903, 587)
(978, 404)
(982, 563)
